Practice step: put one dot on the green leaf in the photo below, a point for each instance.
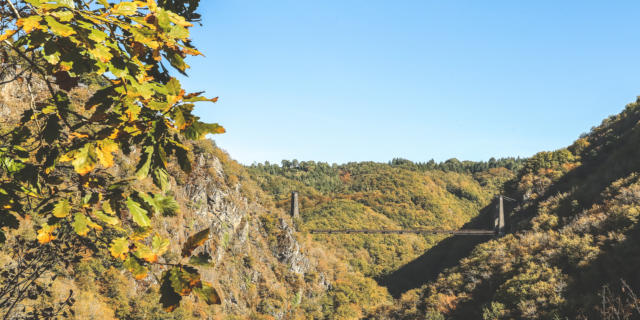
(67, 3)
(157, 105)
(137, 270)
(61, 209)
(97, 35)
(64, 16)
(80, 224)
(106, 206)
(182, 154)
(198, 130)
(208, 294)
(110, 220)
(201, 259)
(143, 89)
(145, 163)
(141, 233)
(138, 214)
(179, 32)
(85, 160)
(159, 245)
(173, 87)
(119, 248)
(161, 178)
(58, 28)
(124, 8)
(195, 97)
(163, 19)
(176, 61)
(194, 241)
(165, 205)
(168, 296)
(51, 129)
(182, 116)
(184, 279)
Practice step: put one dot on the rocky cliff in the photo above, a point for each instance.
(258, 265)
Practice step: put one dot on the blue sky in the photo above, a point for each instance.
(341, 81)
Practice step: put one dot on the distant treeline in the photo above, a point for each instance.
(451, 165)
(455, 165)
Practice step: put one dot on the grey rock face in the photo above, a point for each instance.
(241, 255)
(288, 249)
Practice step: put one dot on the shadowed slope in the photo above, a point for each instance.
(445, 254)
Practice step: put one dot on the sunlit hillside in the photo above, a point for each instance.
(573, 248)
(394, 196)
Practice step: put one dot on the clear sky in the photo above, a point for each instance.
(349, 80)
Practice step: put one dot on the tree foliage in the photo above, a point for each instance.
(573, 250)
(57, 162)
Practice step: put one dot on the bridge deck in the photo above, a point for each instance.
(469, 232)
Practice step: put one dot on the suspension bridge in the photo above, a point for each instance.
(497, 230)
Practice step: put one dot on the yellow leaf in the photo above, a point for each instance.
(74, 135)
(114, 134)
(192, 52)
(119, 248)
(93, 225)
(132, 111)
(30, 23)
(67, 156)
(178, 20)
(144, 252)
(61, 209)
(83, 159)
(153, 6)
(105, 152)
(106, 207)
(44, 234)
(7, 34)
(142, 234)
(101, 53)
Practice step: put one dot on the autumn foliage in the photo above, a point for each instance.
(57, 163)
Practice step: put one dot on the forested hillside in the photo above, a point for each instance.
(253, 255)
(113, 205)
(573, 249)
(397, 195)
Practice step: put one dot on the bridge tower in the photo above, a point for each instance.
(295, 208)
(500, 229)
(499, 221)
